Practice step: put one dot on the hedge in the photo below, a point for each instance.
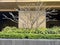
(24, 33)
(28, 36)
(54, 30)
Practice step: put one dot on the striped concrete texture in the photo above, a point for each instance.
(29, 42)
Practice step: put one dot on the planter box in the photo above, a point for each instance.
(29, 42)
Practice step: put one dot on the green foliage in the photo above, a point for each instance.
(54, 30)
(38, 33)
(23, 30)
(10, 29)
(41, 30)
(12, 35)
(28, 36)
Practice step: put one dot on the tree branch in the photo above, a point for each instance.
(9, 18)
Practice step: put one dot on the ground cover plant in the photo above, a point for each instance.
(24, 33)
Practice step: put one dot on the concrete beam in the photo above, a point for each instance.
(7, 9)
(29, 0)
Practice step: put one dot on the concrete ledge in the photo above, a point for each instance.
(29, 41)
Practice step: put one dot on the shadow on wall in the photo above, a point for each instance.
(52, 18)
(4, 21)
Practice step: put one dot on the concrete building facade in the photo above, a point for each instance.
(28, 10)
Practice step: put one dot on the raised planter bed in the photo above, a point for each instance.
(29, 42)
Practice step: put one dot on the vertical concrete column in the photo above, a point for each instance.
(22, 19)
(19, 19)
(41, 22)
(43, 18)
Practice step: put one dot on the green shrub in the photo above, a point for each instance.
(38, 33)
(12, 35)
(54, 30)
(23, 30)
(28, 36)
(9, 29)
(41, 30)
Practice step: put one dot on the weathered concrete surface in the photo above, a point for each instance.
(25, 18)
(28, 0)
(29, 41)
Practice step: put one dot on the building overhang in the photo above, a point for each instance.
(15, 5)
(29, 0)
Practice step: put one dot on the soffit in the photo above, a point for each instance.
(29, 0)
(13, 5)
